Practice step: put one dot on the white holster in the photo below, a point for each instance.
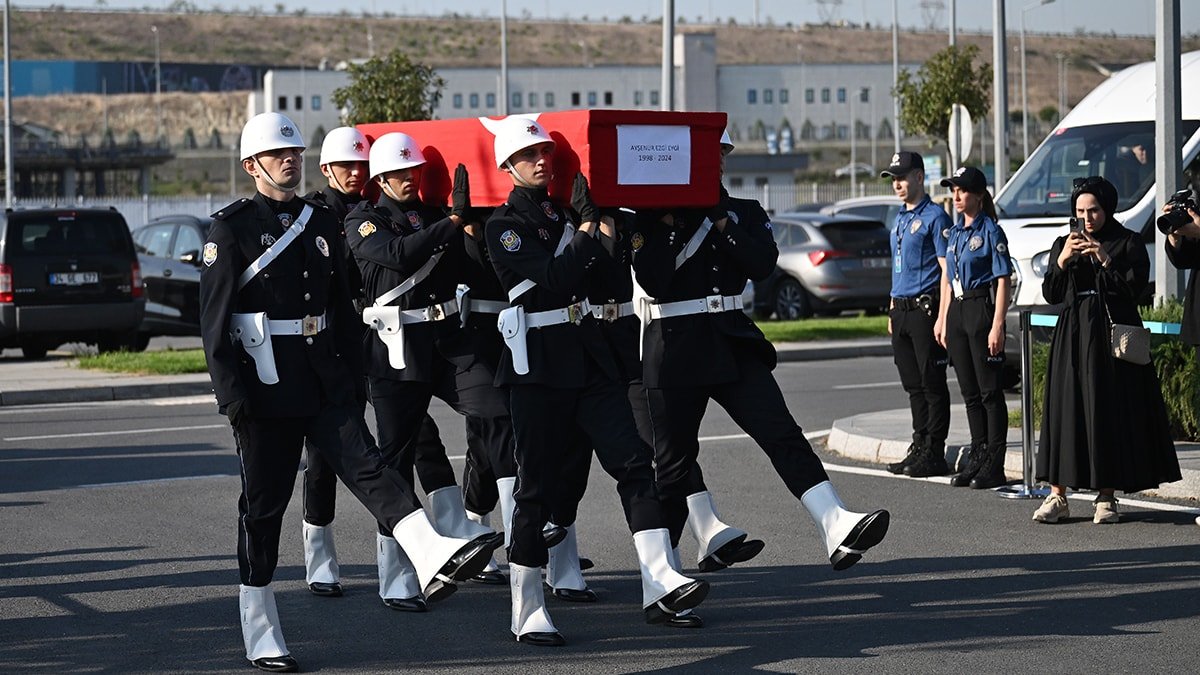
(513, 327)
(250, 330)
(387, 323)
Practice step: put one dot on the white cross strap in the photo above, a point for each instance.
(275, 249)
(409, 283)
(527, 284)
(693, 244)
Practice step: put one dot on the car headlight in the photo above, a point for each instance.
(1039, 263)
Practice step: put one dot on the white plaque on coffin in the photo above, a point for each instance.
(653, 155)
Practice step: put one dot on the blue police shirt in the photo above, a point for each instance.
(976, 255)
(918, 239)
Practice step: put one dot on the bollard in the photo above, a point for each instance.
(1025, 490)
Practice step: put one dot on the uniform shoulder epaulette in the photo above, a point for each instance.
(231, 209)
(316, 202)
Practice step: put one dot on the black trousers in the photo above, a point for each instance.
(544, 422)
(921, 362)
(980, 375)
(489, 457)
(269, 454)
(756, 404)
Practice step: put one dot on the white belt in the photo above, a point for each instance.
(436, 312)
(486, 306)
(712, 304)
(309, 325)
(552, 317)
(611, 311)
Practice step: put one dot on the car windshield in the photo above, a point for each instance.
(856, 236)
(1122, 153)
(68, 233)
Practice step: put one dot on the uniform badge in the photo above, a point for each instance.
(896, 158)
(544, 233)
(637, 241)
(286, 131)
(323, 246)
(975, 243)
(266, 239)
(210, 254)
(414, 219)
(366, 228)
(946, 233)
(285, 219)
(548, 209)
(1001, 248)
(511, 241)
(916, 225)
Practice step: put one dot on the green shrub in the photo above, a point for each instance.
(1175, 363)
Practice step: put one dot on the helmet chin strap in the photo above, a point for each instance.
(267, 177)
(387, 187)
(517, 174)
(337, 183)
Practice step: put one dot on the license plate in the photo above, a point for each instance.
(74, 278)
(877, 263)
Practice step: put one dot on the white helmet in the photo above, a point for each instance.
(727, 145)
(269, 131)
(517, 133)
(394, 151)
(344, 144)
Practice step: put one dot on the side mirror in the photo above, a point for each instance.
(191, 258)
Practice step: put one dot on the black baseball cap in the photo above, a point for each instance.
(903, 162)
(967, 178)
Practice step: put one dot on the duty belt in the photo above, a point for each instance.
(611, 311)
(923, 302)
(436, 312)
(975, 293)
(486, 306)
(713, 304)
(309, 325)
(570, 314)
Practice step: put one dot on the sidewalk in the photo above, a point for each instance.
(883, 437)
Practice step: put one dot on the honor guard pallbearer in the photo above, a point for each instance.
(278, 333)
(695, 263)
(562, 374)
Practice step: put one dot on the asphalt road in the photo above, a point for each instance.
(117, 555)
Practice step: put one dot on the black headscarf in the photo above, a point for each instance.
(1099, 187)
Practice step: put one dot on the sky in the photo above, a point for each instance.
(1058, 16)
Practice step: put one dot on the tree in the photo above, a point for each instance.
(389, 89)
(1048, 114)
(949, 76)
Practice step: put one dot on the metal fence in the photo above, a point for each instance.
(782, 198)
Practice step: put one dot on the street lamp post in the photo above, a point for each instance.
(1024, 88)
(158, 128)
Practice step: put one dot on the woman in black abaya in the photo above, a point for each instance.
(1105, 425)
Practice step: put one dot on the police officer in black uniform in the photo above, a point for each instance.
(561, 373)
(280, 341)
(695, 263)
(918, 243)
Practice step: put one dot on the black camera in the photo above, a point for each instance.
(1177, 215)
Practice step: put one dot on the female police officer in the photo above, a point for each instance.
(975, 288)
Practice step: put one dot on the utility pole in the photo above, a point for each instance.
(1168, 131)
(8, 154)
(668, 56)
(895, 74)
(999, 93)
(504, 57)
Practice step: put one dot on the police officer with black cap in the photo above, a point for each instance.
(278, 333)
(695, 263)
(918, 243)
(561, 374)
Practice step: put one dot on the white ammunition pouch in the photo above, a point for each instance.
(511, 324)
(251, 331)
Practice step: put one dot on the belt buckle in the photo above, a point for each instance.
(308, 326)
(435, 313)
(612, 311)
(575, 313)
(714, 303)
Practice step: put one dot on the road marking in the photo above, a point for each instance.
(90, 434)
(812, 436)
(90, 405)
(878, 385)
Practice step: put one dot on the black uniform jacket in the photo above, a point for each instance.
(521, 236)
(391, 241)
(481, 341)
(612, 283)
(1187, 257)
(697, 349)
(340, 205)
(305, 280)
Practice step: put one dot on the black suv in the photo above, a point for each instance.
(169, 250)
(68, 275)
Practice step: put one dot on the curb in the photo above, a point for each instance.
(123, 392)
(833, 352)
(845, 441)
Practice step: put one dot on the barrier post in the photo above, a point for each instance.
(1025, 490)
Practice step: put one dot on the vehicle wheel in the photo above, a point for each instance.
(34, 351)
(140, 342)
(791, 301)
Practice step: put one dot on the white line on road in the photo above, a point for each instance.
(812, 436)
(89, 434)
(868, 385)
(88, 405)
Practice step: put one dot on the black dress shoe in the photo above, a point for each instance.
(866, 533)
(573, 595)
(416, 604)
(686, 596)
(542, 639)
(276, 664)
(554, 535)
(333, 590)
(735, 551)
(657, 616)
(491, 578)
(470, 559)
(586, 564)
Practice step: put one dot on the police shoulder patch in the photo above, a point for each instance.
(1001, 248)
(946, 233)
(637, 241)
(511, 241)
(366, 229)
(210, 254)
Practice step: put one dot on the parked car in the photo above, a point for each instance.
(858, 169)
(882, 208)
(169, 250)
(68, 275)
(826, 264)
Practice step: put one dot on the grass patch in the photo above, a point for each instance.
(837, 328)
(148, 363)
